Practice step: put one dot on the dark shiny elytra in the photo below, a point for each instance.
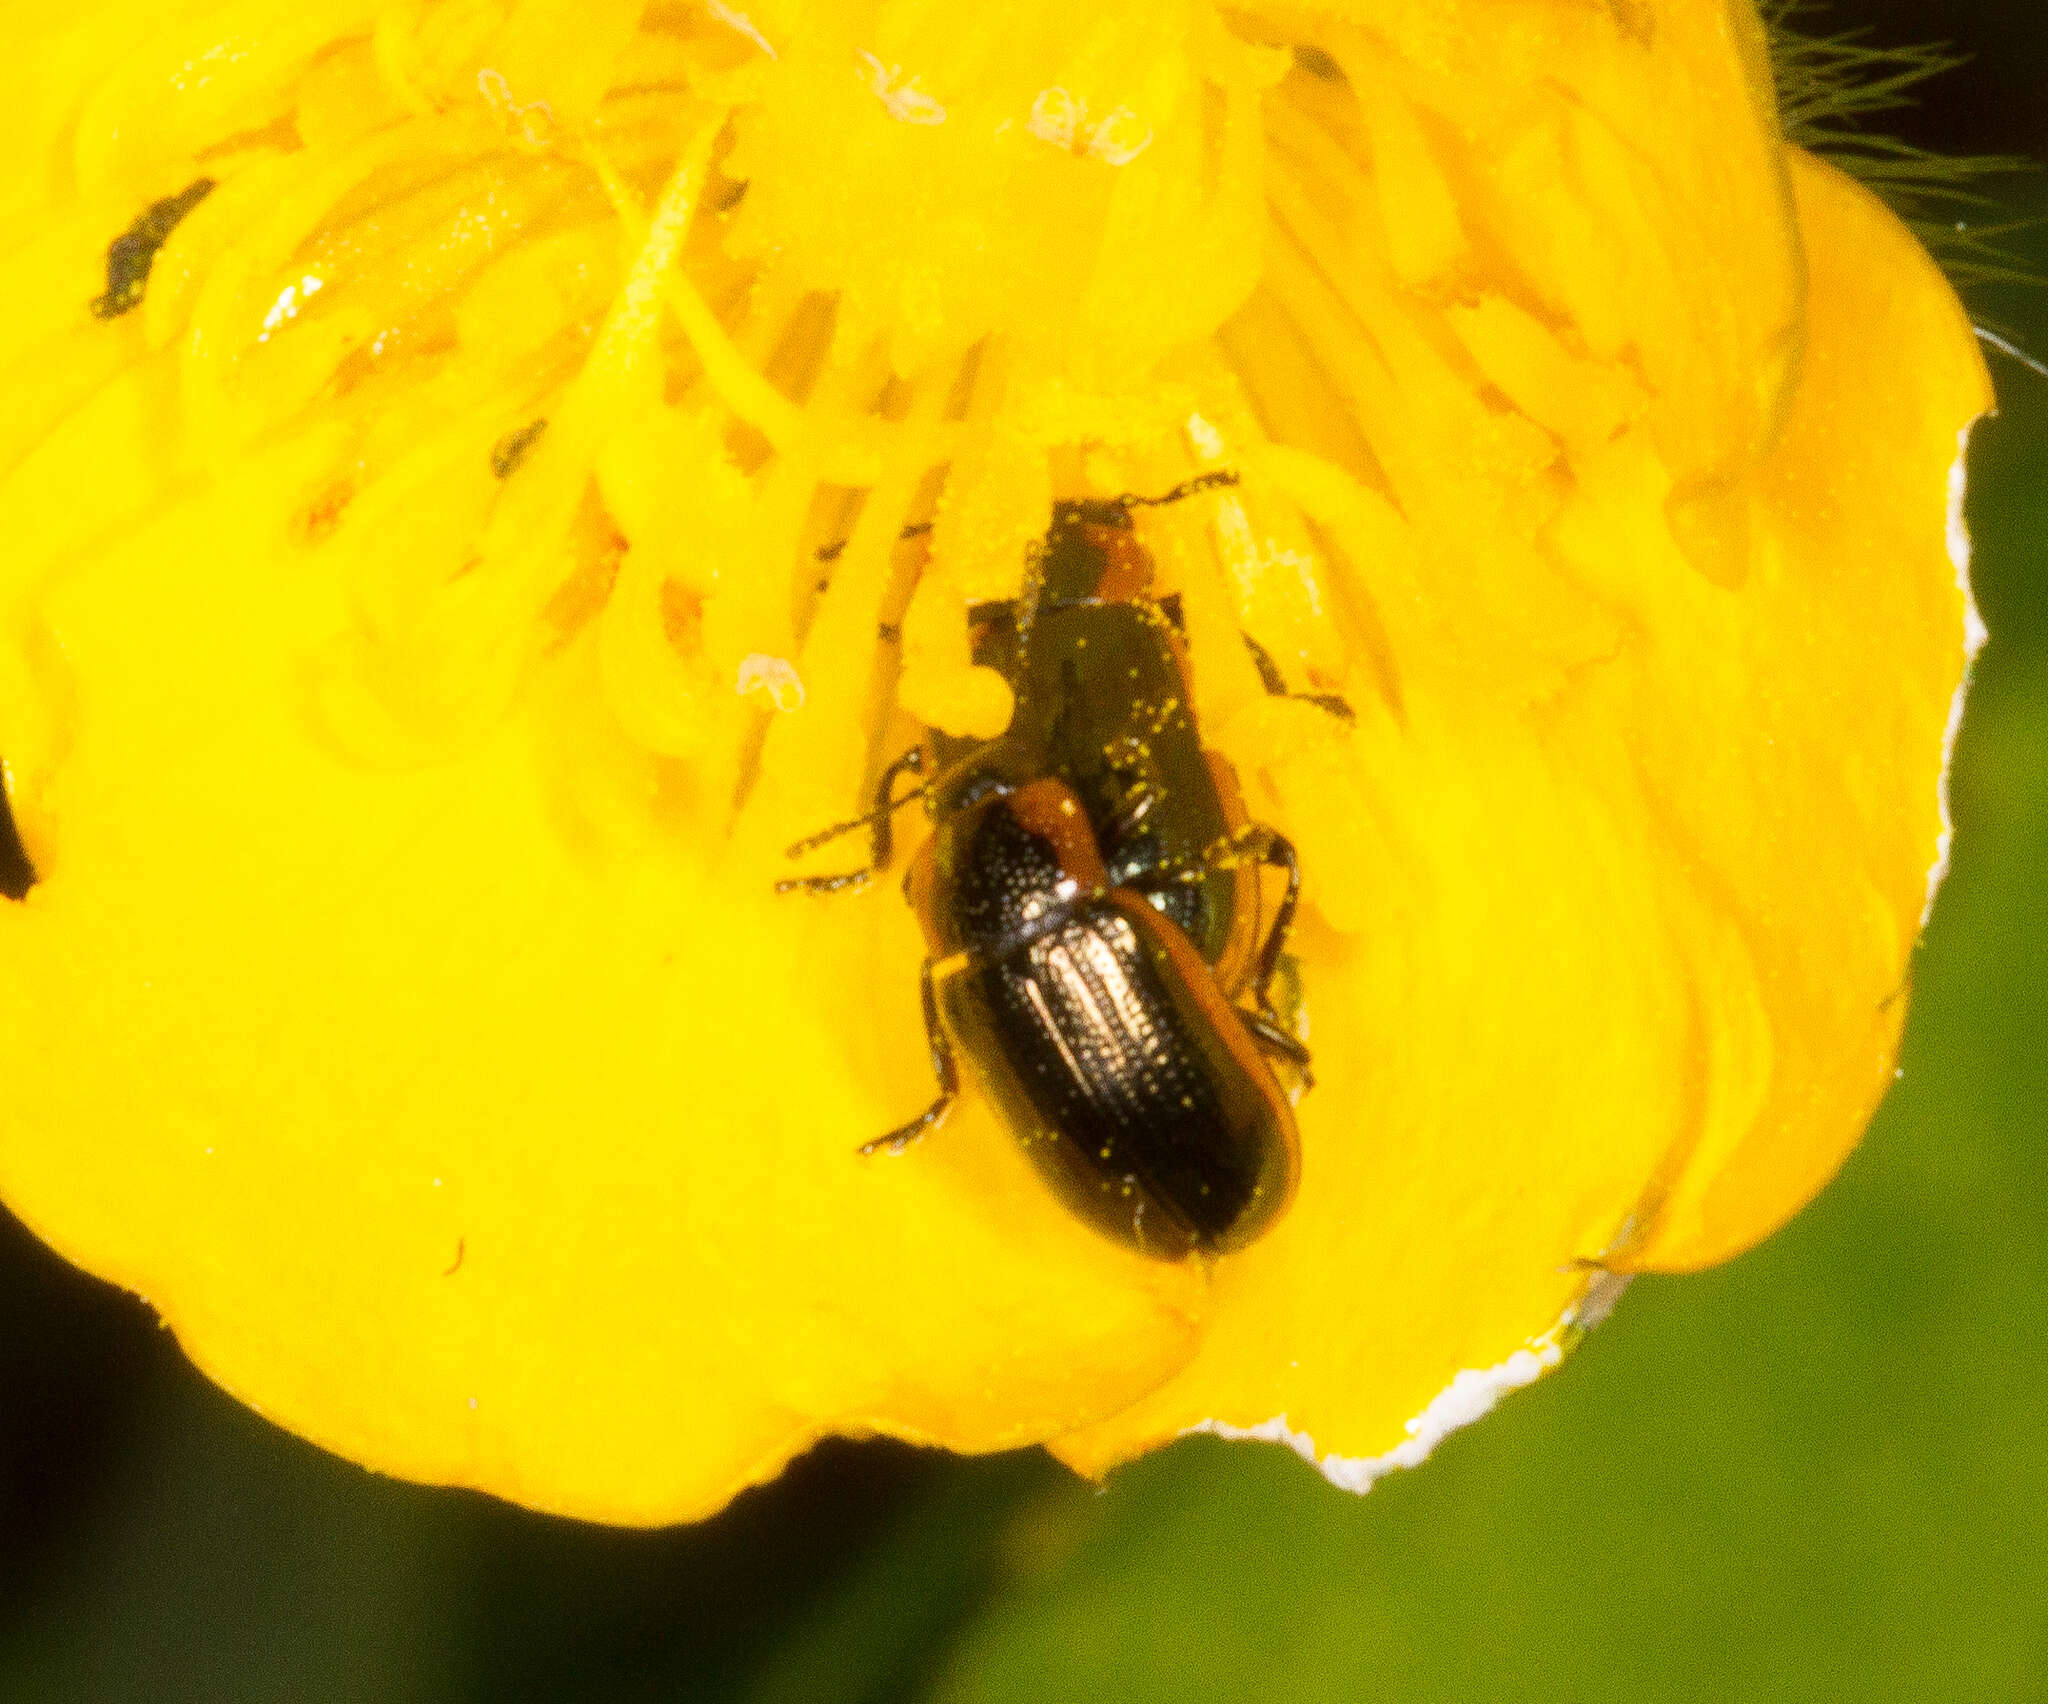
(134, 251)
(1100, 1037)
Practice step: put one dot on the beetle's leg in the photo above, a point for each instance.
(1274, 1039)
(1270, 1036)
(1256, 840)
(879, 823)
(942, 1068)
(1276, 853)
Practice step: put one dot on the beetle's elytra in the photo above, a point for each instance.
(1097, 1030)
(1089, 897)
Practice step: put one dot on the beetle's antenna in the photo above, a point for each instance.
(887, 805)
(1209, 481)
(825, 836)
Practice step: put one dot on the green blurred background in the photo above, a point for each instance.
(1818, 1473)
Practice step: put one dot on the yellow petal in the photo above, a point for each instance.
(430, 614)
(1836, 788)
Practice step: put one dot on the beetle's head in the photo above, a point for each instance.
(1091, 550)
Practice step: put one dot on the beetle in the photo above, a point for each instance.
(1090, 901)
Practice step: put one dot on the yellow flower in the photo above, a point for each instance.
(404, 1005)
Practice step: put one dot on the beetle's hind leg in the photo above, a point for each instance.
(879, 823)
(942, 1067)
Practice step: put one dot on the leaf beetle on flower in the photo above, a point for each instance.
(1090, 899)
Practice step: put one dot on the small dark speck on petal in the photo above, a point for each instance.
(134, 251)
(17, 874)
(512, 449)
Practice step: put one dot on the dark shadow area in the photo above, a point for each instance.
(571, 1611)
(1993, 102)
(79, 1363)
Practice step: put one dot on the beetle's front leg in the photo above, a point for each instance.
(942, 1067)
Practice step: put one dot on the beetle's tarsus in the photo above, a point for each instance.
(942, 1068)
(904, 1135)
